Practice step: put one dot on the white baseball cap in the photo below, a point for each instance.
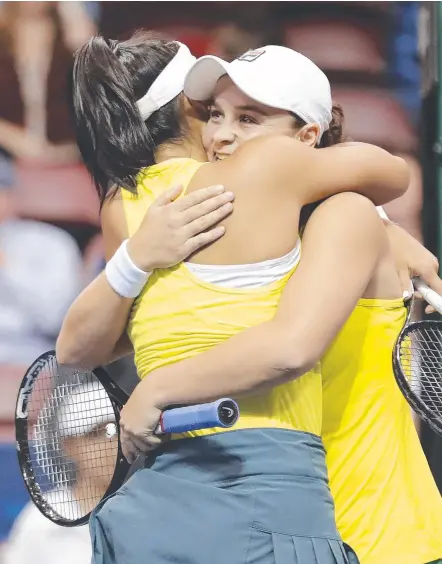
(272, 75)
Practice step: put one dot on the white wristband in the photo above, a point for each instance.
(124, 277)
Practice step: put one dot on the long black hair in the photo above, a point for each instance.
(107, 80)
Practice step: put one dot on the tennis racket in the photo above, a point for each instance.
(67, 433)
(417, 362)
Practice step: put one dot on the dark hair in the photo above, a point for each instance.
(335, 131)
(332, 136)
(108, 78)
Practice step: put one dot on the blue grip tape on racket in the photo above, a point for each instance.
(221, 413)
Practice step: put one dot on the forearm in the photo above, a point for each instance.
(248, 363)
(93, 326)
(388, 175)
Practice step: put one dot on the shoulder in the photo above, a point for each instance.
(271, 150)
(349, 218)
(269, 162)
(113, 223)
(112, 209)
(349, 204)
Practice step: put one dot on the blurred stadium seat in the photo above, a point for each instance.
(339, 45)
(61, 193)
(376, 116)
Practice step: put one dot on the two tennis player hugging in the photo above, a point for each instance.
(208, 288)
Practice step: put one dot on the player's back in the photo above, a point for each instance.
(179, 314)
(388, 507)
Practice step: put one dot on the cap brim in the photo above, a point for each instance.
(201, 80)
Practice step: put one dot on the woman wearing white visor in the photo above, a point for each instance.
(256, 493)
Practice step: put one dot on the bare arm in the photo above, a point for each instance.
(93, 329)
(98, 317)
(366, 169)
(336, 267)
(315, 174)
(412, 259)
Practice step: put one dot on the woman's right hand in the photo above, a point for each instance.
(174, 227)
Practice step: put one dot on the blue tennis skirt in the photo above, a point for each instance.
(252, 496)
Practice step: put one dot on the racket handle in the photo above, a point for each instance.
(429, 295)
(221, 413)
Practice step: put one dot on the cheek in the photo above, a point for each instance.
(247, 132)
(283, 129)
(207, 136)
(252, 132)
(262, 130)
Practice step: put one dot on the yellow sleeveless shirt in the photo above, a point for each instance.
(178, 315)
(388, 507)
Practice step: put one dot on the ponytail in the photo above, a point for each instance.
(334, 133)
(107, 80)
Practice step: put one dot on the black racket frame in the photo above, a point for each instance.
(118, 398)
(419, 406)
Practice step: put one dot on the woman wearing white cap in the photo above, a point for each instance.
(373, 451)
(257, 493)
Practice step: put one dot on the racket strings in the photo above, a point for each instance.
(421, 362)
(72, 456)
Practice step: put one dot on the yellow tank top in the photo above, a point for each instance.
(388, 507)
(178, 315)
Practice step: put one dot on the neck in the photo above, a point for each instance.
(191, 147)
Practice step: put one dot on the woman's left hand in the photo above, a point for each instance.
(139, 420)
(413, 259)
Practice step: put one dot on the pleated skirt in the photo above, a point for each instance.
(252, 496)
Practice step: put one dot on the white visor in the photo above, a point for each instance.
(168, 84)
(274, 76)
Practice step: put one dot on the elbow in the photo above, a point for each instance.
(296, 357)
(297, 365)
(71, 355)
(393, 185)
(403, 177)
